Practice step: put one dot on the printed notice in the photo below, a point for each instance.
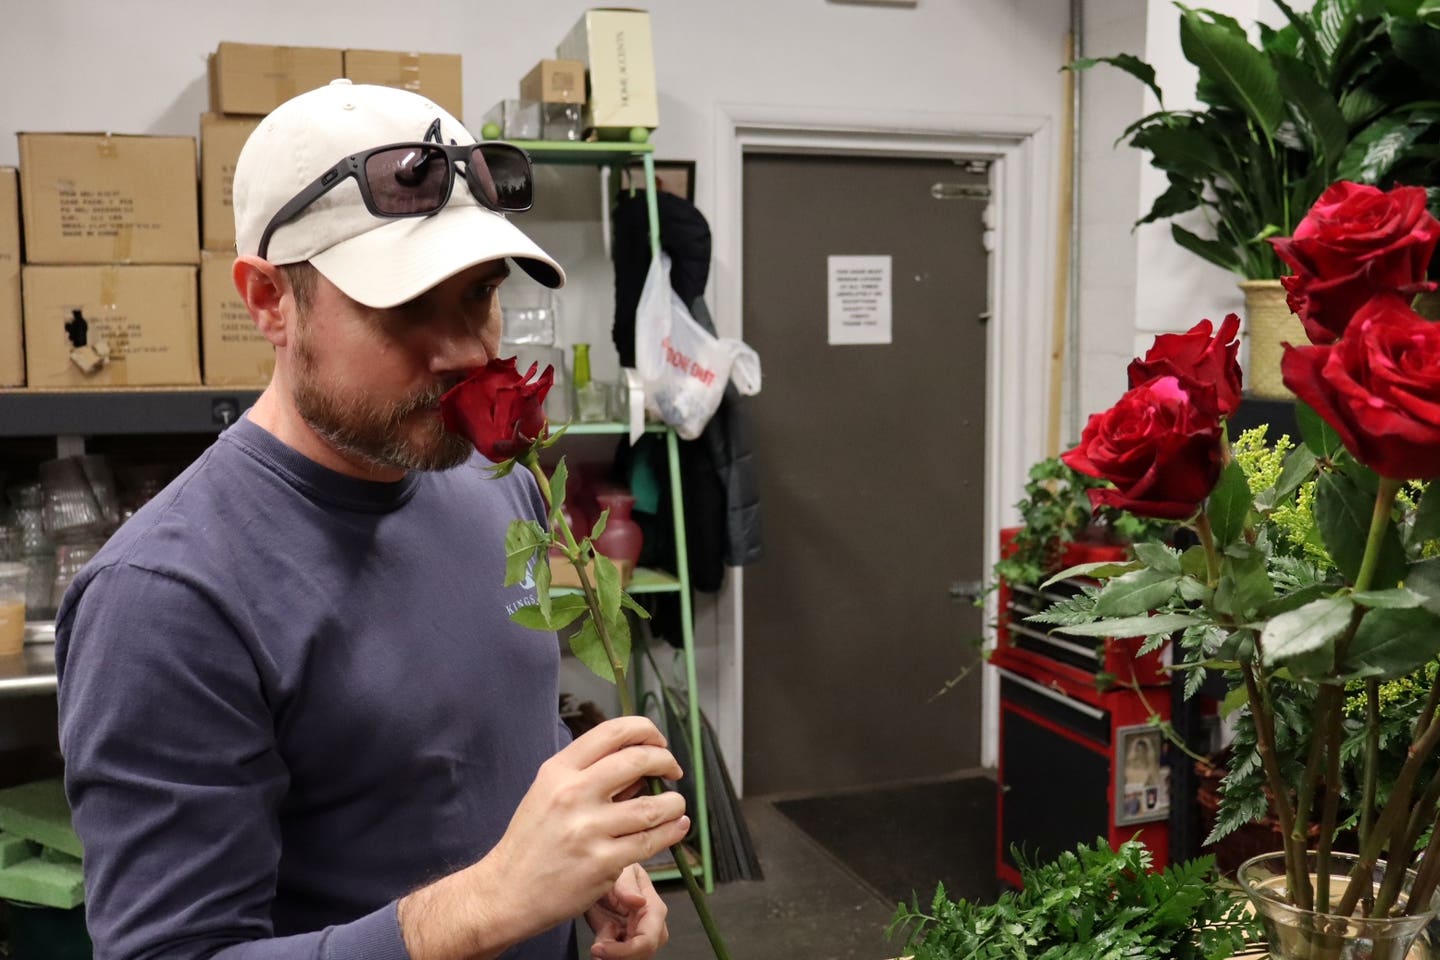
(859, 300)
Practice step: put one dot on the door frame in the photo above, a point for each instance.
(1021, 224)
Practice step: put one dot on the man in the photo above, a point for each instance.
(296, 719)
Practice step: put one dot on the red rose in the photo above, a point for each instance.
(1355, 242)
(1159, 445)
(1197, 356)
(498, 410)
(1379, 387)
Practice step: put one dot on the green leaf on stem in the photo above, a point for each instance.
(1245, 583)
(1310, 630)
(1293, 601)
(1427, 517)
(523, 540)
(542, 581)
(557, 493)
(1194, 590)
(1241, 75)
(1229, 505)
(1239, 646)
(585, 644)
(1193, 563)
(628, 602)
(1135, 593)
(564, 610)
(1343, 511)
(607, 585)
(1100, 570)
(1391, 643)
(599, 527)
(1424, 579)
(1400, 598)
(1131, 64)
(1126, 627)
(1157, 556)
(1233, 701)
(1318, 435)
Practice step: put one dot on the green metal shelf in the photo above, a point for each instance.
(583, 152)
(644, 580)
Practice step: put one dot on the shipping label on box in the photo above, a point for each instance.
(615, 46)
(12, 348)
(232, 351)
(555, 81)
(221, 139)
(435, 76)
(100, 198)
(101, 326)
(255, 78)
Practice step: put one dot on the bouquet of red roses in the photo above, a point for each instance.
(1255, 604)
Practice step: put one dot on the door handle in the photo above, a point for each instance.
(967, 590)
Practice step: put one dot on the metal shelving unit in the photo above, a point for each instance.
(121, 410)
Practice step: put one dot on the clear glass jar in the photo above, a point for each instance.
(1296, 934)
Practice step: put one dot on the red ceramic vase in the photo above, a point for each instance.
(622, 539)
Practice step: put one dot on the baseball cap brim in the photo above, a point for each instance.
(399, 260)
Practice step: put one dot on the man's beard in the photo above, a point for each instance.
(375, 432)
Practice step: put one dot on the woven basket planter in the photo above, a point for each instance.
(1269, 325)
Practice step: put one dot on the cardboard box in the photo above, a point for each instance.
(555, 81)
(435, 76)
(255, 78)
(220, 141)
(562, 572)
(102, 198)
(102, 326)
(614, 44)
(232, 351)
(12, 346)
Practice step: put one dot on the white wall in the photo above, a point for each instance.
(138, 66)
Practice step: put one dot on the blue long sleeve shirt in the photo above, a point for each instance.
(289, 697)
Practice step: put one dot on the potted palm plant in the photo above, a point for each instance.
(1347, 90)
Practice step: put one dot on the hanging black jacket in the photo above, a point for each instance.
(719, 481)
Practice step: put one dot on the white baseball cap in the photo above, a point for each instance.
(378, 261)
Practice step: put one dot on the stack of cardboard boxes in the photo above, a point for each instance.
(601, 85)
(106, 293)
(110, 253)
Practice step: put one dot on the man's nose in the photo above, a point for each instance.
(460, 350)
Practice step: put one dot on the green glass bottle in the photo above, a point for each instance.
(590, 395)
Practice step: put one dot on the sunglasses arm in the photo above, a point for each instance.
(317, 188)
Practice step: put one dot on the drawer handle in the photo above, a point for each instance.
(1045, 691)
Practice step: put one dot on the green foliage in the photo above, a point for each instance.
(1345, 90)
(1090, 904)
(527, 550)
(1055, 512)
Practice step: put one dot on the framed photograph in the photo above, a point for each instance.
(671, 176)
(1142, 775)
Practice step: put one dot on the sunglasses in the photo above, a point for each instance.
(415, 179)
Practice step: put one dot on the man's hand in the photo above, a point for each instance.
(629, 921)
(583, 821)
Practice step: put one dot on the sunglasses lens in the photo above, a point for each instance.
(408, 180)
(500, 175)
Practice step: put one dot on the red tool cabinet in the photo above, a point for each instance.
(1078, 757)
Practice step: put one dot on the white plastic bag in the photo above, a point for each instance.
(683, 366)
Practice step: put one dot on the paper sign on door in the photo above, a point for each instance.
(859, 300)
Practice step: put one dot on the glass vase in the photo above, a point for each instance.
(1296, 934)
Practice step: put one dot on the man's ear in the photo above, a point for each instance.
(265, 290)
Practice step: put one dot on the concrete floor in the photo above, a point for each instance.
(807, 906)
